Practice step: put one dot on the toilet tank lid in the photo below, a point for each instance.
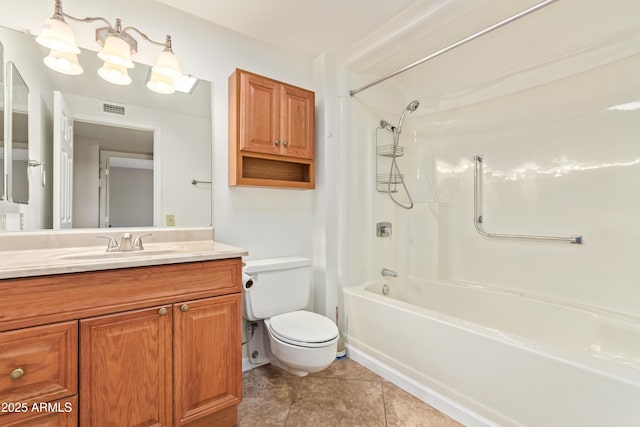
(270, 264)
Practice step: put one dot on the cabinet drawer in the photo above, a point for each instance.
(39, 364)
(61, 413)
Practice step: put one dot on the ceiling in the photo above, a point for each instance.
(115, 138)
(306, 28)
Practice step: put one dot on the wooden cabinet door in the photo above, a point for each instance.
(297, 122)
(125, 369)
(206, 352)
(259, 114)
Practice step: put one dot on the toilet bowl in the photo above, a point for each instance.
(300, 341)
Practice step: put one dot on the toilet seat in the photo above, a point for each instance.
(303, 329)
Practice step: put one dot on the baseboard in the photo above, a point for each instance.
(445, 405)
(245, 364)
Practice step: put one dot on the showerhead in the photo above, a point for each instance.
(413, 106)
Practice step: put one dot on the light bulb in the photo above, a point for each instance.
(167, 64)
(116, 51)
(160, 83)
(57, 35)
(114, 73)
(63, 62)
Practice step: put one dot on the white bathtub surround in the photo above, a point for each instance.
(551, 364)
(558, 134)
(519, 332)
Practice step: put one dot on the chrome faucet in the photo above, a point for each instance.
(137, 243)
(389, 273)
(127, 243)
(112, 245)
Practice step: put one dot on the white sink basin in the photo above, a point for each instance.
(102, 254)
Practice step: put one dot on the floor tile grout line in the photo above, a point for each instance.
(349, 379)
(384, 406)
(295, 395)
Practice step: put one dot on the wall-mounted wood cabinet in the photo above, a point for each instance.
(271, 133)
(152, 346)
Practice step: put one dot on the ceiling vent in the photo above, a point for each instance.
(111, 108)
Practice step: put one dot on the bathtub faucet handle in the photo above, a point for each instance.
(383, 229)
(389, 273)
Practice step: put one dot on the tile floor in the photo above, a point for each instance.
(345, 394)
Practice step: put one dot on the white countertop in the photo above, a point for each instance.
(59, 259)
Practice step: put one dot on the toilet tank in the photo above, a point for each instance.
(280, 285)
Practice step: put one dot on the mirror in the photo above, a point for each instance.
(18, 109)
(102, 127)
(2, 154)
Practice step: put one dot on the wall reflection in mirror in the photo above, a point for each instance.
(17, 135)
(2, 136)
(79, 152)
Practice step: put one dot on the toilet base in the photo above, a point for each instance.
(276, 362)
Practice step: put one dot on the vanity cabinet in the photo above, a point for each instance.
(127, 357)
(271, 132)
(143, 346)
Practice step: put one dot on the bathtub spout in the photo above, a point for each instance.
(389, 273)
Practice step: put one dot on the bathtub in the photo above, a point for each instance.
(489, 356)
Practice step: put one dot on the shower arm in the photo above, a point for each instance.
(477, 213)
(455, 45)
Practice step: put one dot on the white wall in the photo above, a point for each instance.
(555, 116)
(86, 182)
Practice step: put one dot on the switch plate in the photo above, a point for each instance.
(170, 219)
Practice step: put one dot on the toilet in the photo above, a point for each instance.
(300, 342)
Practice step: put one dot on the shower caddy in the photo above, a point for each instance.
(387, 181)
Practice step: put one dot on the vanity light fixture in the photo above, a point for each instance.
(117, 48)
(185, 83)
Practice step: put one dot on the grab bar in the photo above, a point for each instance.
(477, 213)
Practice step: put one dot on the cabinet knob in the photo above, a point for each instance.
(16, 373)
(185, 307)
(285, 143)
(163, 311)
(276, 142)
